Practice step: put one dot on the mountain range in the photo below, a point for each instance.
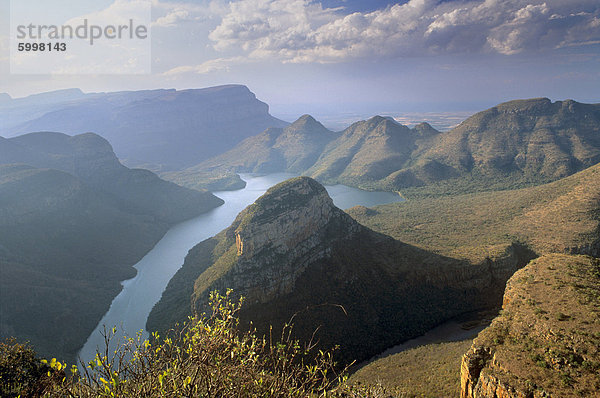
(73, 221)
(159, 129)
(514, 144)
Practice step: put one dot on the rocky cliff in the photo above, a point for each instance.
(546, 342)
(293, 254)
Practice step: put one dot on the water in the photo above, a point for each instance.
(130, 309)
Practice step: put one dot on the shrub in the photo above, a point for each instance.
(208, 357)
(23, 374)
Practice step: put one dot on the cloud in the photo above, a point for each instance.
(213, 65)
(172, 18)
(304, 31)
(173, 14)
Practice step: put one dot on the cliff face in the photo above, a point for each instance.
(546, 342)
(277, 239)
(294, 254)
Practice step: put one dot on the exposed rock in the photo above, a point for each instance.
(546, 342)
(294, 254)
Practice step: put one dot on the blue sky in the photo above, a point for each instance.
(355, 57)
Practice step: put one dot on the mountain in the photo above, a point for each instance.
(292, 149)
(293, 254)
(530, 140)
(369, 151)
(169, 128)
(546, 340)
(91, 158)
(517, 142)
(73, 221)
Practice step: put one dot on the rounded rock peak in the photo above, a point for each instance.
(300, 185)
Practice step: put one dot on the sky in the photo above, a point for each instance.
(340, 59)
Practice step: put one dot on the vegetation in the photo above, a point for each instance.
(72, 224)
(291, 149)
(388, 291)
(208, 357)
(209, 180)
(558, 216)
(512, 145)
(432, 370)
(547, 338)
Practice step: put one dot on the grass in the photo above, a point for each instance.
(555, 345)
(553, 217)
(432, 370)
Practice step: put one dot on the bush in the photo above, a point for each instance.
(208, 357)
(23, 374)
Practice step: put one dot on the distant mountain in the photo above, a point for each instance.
(73, 221)
(531, 141)
(369, 151)
(518, 142)
(171, 129)
(294, 254)
(91, 158)
(291, 149)
(514, 144)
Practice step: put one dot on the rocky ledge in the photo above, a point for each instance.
(546, 341)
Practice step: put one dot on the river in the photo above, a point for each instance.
(130, 309)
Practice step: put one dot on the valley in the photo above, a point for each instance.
(435, 225)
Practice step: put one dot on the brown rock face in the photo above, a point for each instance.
(546, 342)
(280, 235)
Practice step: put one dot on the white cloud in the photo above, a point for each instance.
(304, 31)
(172, 18)
(213, 65)
(173, 14)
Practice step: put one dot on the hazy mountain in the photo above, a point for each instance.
(294, 252)
(90, 157)
(70, 230)
(514, 144)
(16, 111)
(291, 149)
(169, 128)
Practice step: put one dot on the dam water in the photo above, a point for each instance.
(130, 309)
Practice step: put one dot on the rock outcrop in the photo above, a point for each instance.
(293, 254)
(546, 342)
